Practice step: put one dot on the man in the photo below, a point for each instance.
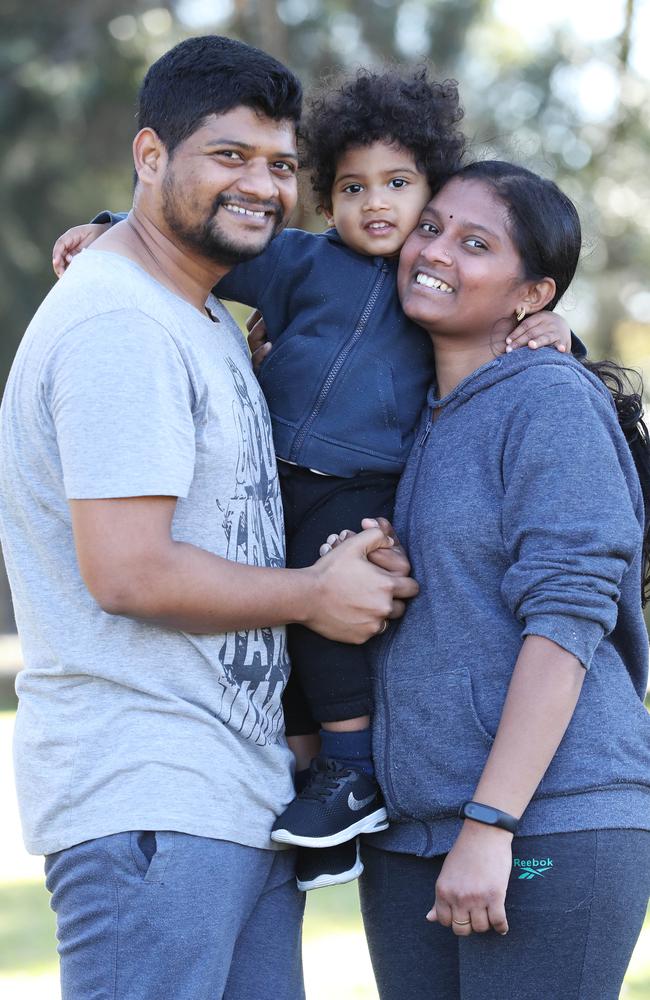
(142, 530)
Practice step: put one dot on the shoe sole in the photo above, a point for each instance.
(373, 823)
(322, 880)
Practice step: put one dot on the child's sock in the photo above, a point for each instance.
(353, 749)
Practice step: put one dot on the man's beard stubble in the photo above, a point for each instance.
(206, 238)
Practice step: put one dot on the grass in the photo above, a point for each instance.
(637, 981)
(27, 937)
(332, 910)
(8, 700)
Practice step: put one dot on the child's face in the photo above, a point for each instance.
(377, 197)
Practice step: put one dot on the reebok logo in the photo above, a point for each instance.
(356, 804)
(533, 867)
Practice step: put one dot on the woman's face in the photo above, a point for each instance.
(459, 271)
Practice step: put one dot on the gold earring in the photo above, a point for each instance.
(520, 313)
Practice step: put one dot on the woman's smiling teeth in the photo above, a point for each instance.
(431, 282)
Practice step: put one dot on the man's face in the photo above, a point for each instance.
(230, 187)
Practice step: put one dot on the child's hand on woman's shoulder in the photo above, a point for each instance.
(542, 329)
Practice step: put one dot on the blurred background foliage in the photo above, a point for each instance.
(562, 88)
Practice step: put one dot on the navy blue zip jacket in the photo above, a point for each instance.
(521, 511)
(348, 373)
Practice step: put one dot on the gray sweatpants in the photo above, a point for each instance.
(144, 916)
(575, 906)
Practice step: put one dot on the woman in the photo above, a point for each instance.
(516, 676)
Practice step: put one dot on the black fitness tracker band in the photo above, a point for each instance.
(488, 815)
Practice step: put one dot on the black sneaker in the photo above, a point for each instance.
(337, 803)
(320, 866)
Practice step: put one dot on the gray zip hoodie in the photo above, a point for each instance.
(521, 511)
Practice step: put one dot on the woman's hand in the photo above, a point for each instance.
(471, 888)
(258, 343)
(542, 329)
(73, 241)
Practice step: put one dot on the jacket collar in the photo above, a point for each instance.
(333, 236)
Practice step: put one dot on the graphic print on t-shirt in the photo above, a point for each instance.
(255, 661)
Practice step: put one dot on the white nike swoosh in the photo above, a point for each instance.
(356, 804)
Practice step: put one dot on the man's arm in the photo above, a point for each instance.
(121, 403)
(245, 282)
(546, 329)
(132, 566)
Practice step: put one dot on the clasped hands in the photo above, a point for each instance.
(391, 558)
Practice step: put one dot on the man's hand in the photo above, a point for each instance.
(391, 557)
(258, 343)
(542, 329)
(355, 598)
(471, 887)
(73, 241)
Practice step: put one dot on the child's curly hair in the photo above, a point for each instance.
(402, 107)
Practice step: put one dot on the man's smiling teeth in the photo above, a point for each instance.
(426, 279)
(239, 210)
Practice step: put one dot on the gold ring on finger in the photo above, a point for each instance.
(384, 626)
(461, 923)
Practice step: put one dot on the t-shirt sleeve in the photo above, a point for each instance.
(120, 400)
(569, 518)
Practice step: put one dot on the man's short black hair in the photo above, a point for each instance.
(210, 75)
(395, 105)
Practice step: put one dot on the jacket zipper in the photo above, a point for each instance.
(388, 781)
(338, 364)
(425, 433)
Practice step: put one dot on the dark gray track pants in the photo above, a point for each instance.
(573, 923)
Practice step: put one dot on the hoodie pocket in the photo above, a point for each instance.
(438, 745)
(290, 394)
(363, 397)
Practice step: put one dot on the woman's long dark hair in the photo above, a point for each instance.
(545, 227)
(626, 387)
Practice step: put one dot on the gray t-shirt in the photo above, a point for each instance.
(121, 388)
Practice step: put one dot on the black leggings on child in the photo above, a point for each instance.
(329, 680)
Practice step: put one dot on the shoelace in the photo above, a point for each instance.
(325, 779)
